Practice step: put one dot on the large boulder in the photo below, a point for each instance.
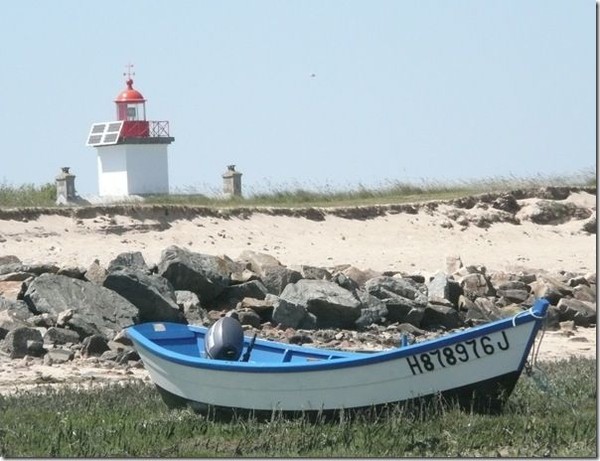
(132, 260)
(23, 341)
(151, 294)
(551, 288)
(373, 311)
(333, 306)
(92, 309)
(287, 314)
(404, 298)
(205, 275)
(437, 316)
(13, 314)
(276, 278)
(581, 312)
(257, 261)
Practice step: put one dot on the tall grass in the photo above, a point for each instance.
(27, 195)
(556, 418)
(295, 194)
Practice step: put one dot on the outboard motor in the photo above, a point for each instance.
(224, 340)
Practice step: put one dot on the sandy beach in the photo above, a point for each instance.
(411, 243)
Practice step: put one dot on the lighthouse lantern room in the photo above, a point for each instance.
(132, 151)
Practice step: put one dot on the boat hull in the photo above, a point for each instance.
(478, 368)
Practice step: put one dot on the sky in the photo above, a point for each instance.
(318, 94)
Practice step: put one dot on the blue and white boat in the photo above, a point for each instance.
(478, 366)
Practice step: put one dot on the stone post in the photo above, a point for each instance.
(65, 187)
(232, 182)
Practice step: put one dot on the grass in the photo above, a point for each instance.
(558, 418)
(295, 195)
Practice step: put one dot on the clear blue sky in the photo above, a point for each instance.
(434, 90)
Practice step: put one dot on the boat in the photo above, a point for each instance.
(478, 367)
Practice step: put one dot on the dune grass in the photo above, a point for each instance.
(298, 195)
(552, 415)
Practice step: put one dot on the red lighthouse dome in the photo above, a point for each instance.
(130, 95)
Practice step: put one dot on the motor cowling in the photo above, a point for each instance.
(224, 340)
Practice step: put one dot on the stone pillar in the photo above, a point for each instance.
(232, 182)
(65, 187)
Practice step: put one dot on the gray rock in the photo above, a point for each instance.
(258, 261)
(96, 273)
(482, 310)
(35, 269)
(9, 259)
(56, 335)
(252, 289)
(585, 293)
(590, 226)
(332, 305)
(189, 304)
(384, 287)
(132, 260)
(436, 316)
(359, 276)
(373, 311)
(476, 285)
(344, 281)
(551, 288)
(151, 294)
(309, 322)
(581, 312)
(94, 345)
(205, 275)
(249, 317)
(276, 278)
(514, 295)
(552, 212)
(94, 309)
(23, 341)
(13, 314)
(72, 271)
(314, 273)
(58, 356)
(288, 314)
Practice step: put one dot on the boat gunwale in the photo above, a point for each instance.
(348, 359)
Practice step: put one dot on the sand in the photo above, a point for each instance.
(412, 243)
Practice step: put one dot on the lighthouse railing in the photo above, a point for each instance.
(159, 129)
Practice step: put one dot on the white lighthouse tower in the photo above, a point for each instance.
(132, 151)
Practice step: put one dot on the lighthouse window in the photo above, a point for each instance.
(131, 113)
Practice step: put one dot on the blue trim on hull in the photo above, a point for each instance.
(138, 334)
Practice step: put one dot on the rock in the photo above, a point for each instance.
(263, 307)
(94, 345)
(584, 293)
(436, 316)
(252, 289)
(441, 287)
(483, 310)
(374, 310)
(288, 314)
(453, 264)
(276, 278)
(132, 260)
(72, 271)
(94, 309)
(331, 304)
(205, 275)
(581, 312)
(58, 356)
(23, 341)
(550, 288)
(249, 317)
(57, 335)
(475, 285)
(9, 259)
(309, 322)
(552, 212)
(344, 281)
(514, 296)
(151, 294)
(258, 261)
(96, 273)
(34, 269)
(189, 304)
(384, 287)
(506, 202)
(314, 273)
(590, 226)
(13, 314)
(360, 277)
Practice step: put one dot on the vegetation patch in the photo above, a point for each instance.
(552, 413)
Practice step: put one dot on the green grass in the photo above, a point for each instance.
(296, 195)
(27, 195)
(557, 419)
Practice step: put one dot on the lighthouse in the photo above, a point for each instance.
(131, 151)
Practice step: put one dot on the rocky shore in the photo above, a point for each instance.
(61, 323)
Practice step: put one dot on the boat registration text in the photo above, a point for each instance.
(455, 354)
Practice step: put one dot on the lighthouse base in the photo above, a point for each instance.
(132, 169)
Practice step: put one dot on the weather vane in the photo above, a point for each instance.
(129, 73)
